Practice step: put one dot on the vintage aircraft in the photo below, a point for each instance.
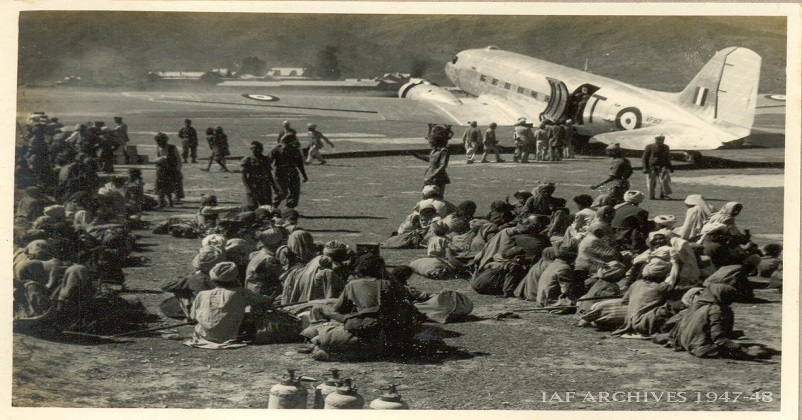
(715, 110)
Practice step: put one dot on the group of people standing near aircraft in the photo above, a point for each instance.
(551, 141)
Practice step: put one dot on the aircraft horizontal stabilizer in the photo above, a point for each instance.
(678, 137)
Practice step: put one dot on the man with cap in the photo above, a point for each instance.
(257, 175)
(631, 223)
(471, 140)
(120, 133)
(263, 273)
(220, 311)
(316, 139)
(657, 167)
(491, 143)
(289, 163)
(620, 169)
(189, 141)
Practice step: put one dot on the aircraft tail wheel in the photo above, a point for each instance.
(693, 157)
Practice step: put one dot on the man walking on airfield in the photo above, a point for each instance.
(316, 139)
(257, 176)
(491, 143)
(471, 139)
(657, 167)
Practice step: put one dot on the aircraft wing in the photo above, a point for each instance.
(459, 112)
(678, 137)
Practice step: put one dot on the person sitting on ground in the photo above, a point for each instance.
(595, 250)
(135, 193)
(300, 249)
(646, 297)
(413, 229)
(185, 289)
(440, 262)
(323, 277)
(721, 246)
(602, 284)
(631, 223)
(373, 317)
(500, 213)
(458, 221)
(582, 219)
(502, 274)
(262, 275)
(527, 288)
(542, 202)
(432, 195)
(737, 276)
(770, 260)
(727, 216)
(219, 311)
(517, 208)
(115, 192)
(555, 286)
(695, 218)
(238, 251)
(705, 328)
(32, 204)
(209, 211)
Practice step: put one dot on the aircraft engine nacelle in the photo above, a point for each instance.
(424, 90)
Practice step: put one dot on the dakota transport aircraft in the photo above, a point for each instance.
(716, 109)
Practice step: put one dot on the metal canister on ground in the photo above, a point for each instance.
(330, 385)
(289, 393)
(346, 398)
(389, 400)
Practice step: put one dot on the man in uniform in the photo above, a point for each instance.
(258, 178)
(289, 162)
(568, 143)
(189, 141)
(657, 166)
(491, 143)
(620, 170)
(316, 139)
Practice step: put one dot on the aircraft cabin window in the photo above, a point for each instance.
(520, 90)
(482, 77)
(494, 82)
(507, 86)
(454, 60)
(533, 94)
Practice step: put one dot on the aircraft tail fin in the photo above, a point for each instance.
(724, 92)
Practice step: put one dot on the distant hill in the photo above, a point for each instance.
(121, 47)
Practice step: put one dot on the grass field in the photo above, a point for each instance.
(501, 364)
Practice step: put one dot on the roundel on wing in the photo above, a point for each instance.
(259, 97)
(628, 118)
(777, 97)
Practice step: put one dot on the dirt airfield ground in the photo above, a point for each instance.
(499, 364)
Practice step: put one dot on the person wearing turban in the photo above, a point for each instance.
(185, 289)
(645, 298)
(300, 249)
(631, 223)
(220, 311)
(432, 195)
(618, 175)
(603, 283)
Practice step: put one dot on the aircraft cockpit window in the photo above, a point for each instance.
(454, 60)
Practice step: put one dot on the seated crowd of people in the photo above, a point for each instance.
(607, 262)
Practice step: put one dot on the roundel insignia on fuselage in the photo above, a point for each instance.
(259, 97)
(628, 118)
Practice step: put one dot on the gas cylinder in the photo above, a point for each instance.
(330, 385)
(289, 393)
(389, 400)
(346, 398)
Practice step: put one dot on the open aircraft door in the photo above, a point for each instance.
(557, 100)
